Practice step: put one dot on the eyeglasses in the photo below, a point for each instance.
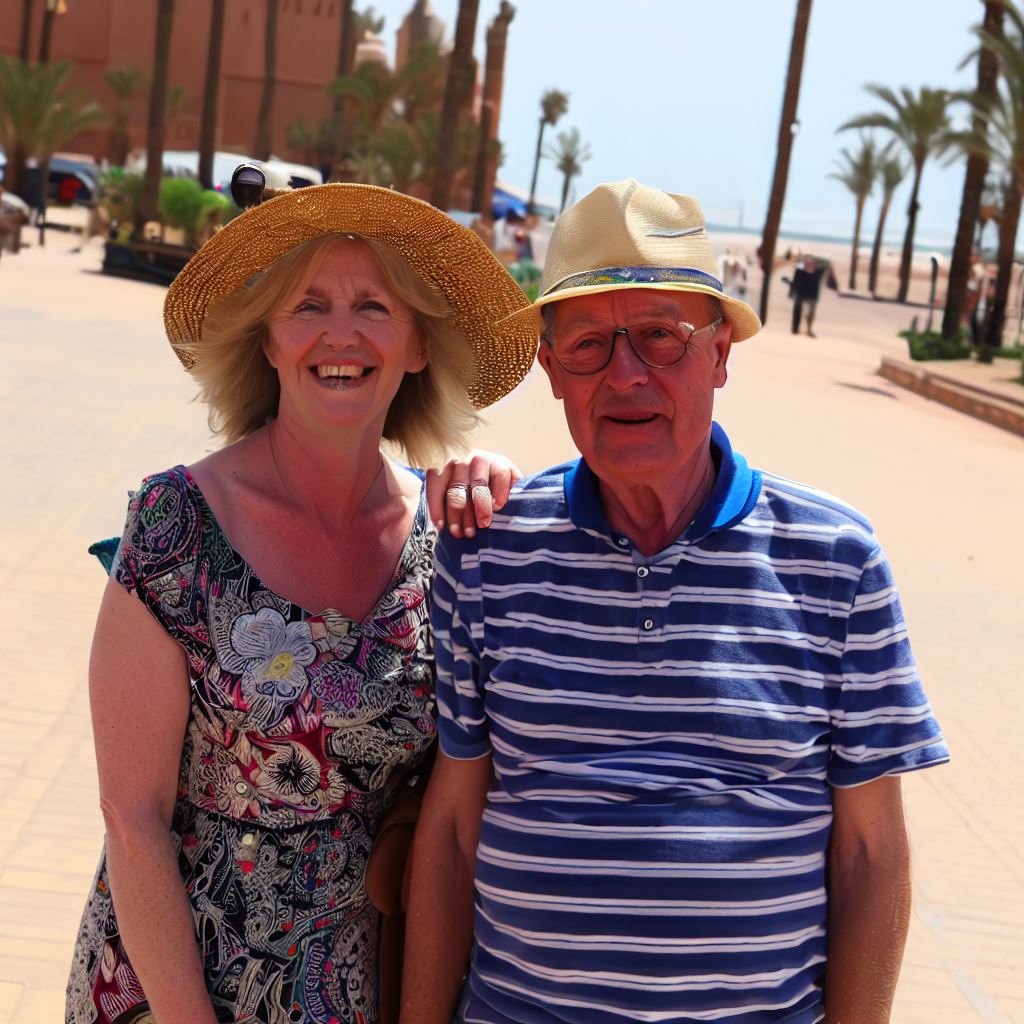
(658, 344)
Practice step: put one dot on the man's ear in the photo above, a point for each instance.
(723, 345)
(547, 360)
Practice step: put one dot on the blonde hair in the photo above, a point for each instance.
(430, 416)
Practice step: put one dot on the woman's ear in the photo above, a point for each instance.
(268, 348)
(419, 355)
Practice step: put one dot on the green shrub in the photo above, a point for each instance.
(119, 192)
(1009, 352)
(185, 204)
(932, 345)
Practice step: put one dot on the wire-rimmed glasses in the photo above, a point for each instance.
(658, 343)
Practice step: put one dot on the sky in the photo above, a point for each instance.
(687, 96)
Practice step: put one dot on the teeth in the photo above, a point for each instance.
(347, 370)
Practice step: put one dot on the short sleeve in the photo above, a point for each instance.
(156, 559)
(456, 617)
(883, 723)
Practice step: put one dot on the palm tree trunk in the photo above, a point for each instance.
(855, 254)
(787, 129)
(536, 166)
(457, 92)
(346, 60)
(211, 90)
(26, 30)
(566, 182)
(494, 83)
(264, 141)
(43, 198)
(15, 169)
(480, 187)
(156, 124)
(974, 183)
(45, 39)
(876, 249)
(1007, 241)
(907, 258)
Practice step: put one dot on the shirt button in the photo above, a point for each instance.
(648, 624)
(623, 542)
(643, 571)
(241, 788)
(249, 838)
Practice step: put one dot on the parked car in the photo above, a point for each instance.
(72, 178)
(185, 163)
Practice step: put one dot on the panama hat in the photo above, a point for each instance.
(480, 292)
(628, 235)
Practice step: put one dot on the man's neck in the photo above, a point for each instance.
(653, 515)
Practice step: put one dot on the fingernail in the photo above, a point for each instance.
(439, 524)
(470, 531)
(455, 530)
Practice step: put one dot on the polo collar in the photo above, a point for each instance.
(737, 488)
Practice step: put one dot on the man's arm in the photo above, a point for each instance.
(440, 918)
(868, 902)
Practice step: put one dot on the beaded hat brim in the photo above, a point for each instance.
(479, 291)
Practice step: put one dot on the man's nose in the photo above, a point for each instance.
(625, 368)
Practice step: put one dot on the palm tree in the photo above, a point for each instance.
(569, 155)
(553, 105)
(891, 171)
(126, 84)
(1002, 141)
(376, 92)
(72, 113)
(857, 171)
(494, 80)
(264, 142)
(457, 94)
(29, 97)
(211, 90)
(921, 124)
(974, 181)
(156, 123)
(788, 125)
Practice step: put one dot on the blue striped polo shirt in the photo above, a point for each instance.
(665, 733)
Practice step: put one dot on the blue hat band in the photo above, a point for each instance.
(636, 276)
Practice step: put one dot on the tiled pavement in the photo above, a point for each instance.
(91, 399)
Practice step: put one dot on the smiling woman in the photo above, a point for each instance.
(262, 669)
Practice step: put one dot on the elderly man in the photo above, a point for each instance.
(676, 693)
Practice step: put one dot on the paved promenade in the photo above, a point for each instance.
(91, 400)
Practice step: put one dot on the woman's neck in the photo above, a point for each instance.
(341, 475)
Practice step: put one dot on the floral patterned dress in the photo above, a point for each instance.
(300, 726)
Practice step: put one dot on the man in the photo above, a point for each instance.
(675, 693)
(804, 290)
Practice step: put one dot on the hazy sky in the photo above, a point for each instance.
(687, 95)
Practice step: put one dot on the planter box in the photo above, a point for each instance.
(145, 261)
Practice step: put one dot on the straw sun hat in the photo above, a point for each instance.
(446, 255)
(629, 235)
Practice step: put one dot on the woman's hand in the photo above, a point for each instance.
(466, 492)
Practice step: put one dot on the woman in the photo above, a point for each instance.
(261, 673)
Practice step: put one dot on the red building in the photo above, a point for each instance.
(100, 35)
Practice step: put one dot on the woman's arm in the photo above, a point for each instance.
(139, 694)
(465, 492)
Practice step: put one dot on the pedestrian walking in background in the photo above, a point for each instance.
(804, 290)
